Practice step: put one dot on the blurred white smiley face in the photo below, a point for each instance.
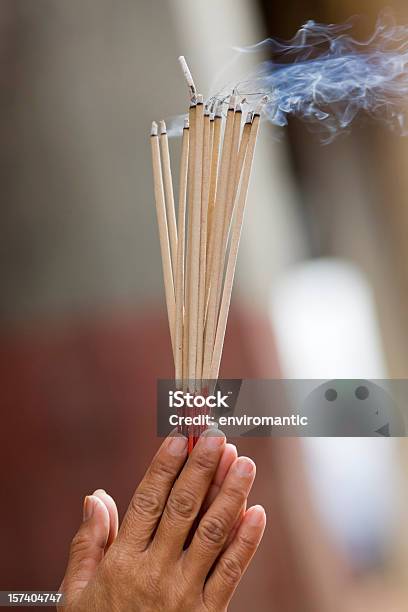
(352, 408)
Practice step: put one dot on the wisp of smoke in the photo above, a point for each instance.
(326, 77)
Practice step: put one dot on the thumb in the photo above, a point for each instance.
(87, 547)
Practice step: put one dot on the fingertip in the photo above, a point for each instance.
(105, 498)
(228, 457)
(98, 491)
(90, 507)
(255, 517)
(87, 508)
(245, 467)
(231, 450)
(177, 445)
(93, 506)
(110, 504)
(212, 432)
(96, 519)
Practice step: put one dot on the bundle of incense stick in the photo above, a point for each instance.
(199, 249)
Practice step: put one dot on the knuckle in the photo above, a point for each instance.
(160, 470)
(79, 544)
(146, 503)
(236, 495)
(116, 558)
(230, 570)
(212, 531)
(181, 504)
(154, 580)
(246, 543)
(204, 464)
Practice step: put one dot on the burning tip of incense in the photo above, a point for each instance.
(187, 75)
(261, 104)
(232, 102)
(213, 108)
(186, 123)
(218, 109)
(199, 99)
(154, 130)
(163, 128)
(249, 117)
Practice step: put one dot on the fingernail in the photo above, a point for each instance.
(244, 466)
(256, 516)
(177, 445)
(88, 508)
(211, 439)
(232, 447)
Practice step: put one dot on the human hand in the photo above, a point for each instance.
(146, 565)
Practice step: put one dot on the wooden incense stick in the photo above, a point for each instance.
(179, 285)
(205, 190)
(187, 329)
(232, 173)
(188, 76)
(192, 123)
(212, 119)
(195, 245)
(215, 154)
(168, 192)
(233, 252)
(216, 240)
(190, 175)
(163, 229)
(243, 148)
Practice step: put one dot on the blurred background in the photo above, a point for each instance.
(321, 292)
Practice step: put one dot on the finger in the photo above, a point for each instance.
(238, 522)
(232, 564)
(150, 497)
(87, 547)
(228, 457)
(113, 514)
(219, 520)
(188, 495)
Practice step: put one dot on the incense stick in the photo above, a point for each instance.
(187, 75)
(203, 240)
(190, 177)
(168, 192)
(215, 153)
(195, 243)
(179, 287)
(163, 230)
